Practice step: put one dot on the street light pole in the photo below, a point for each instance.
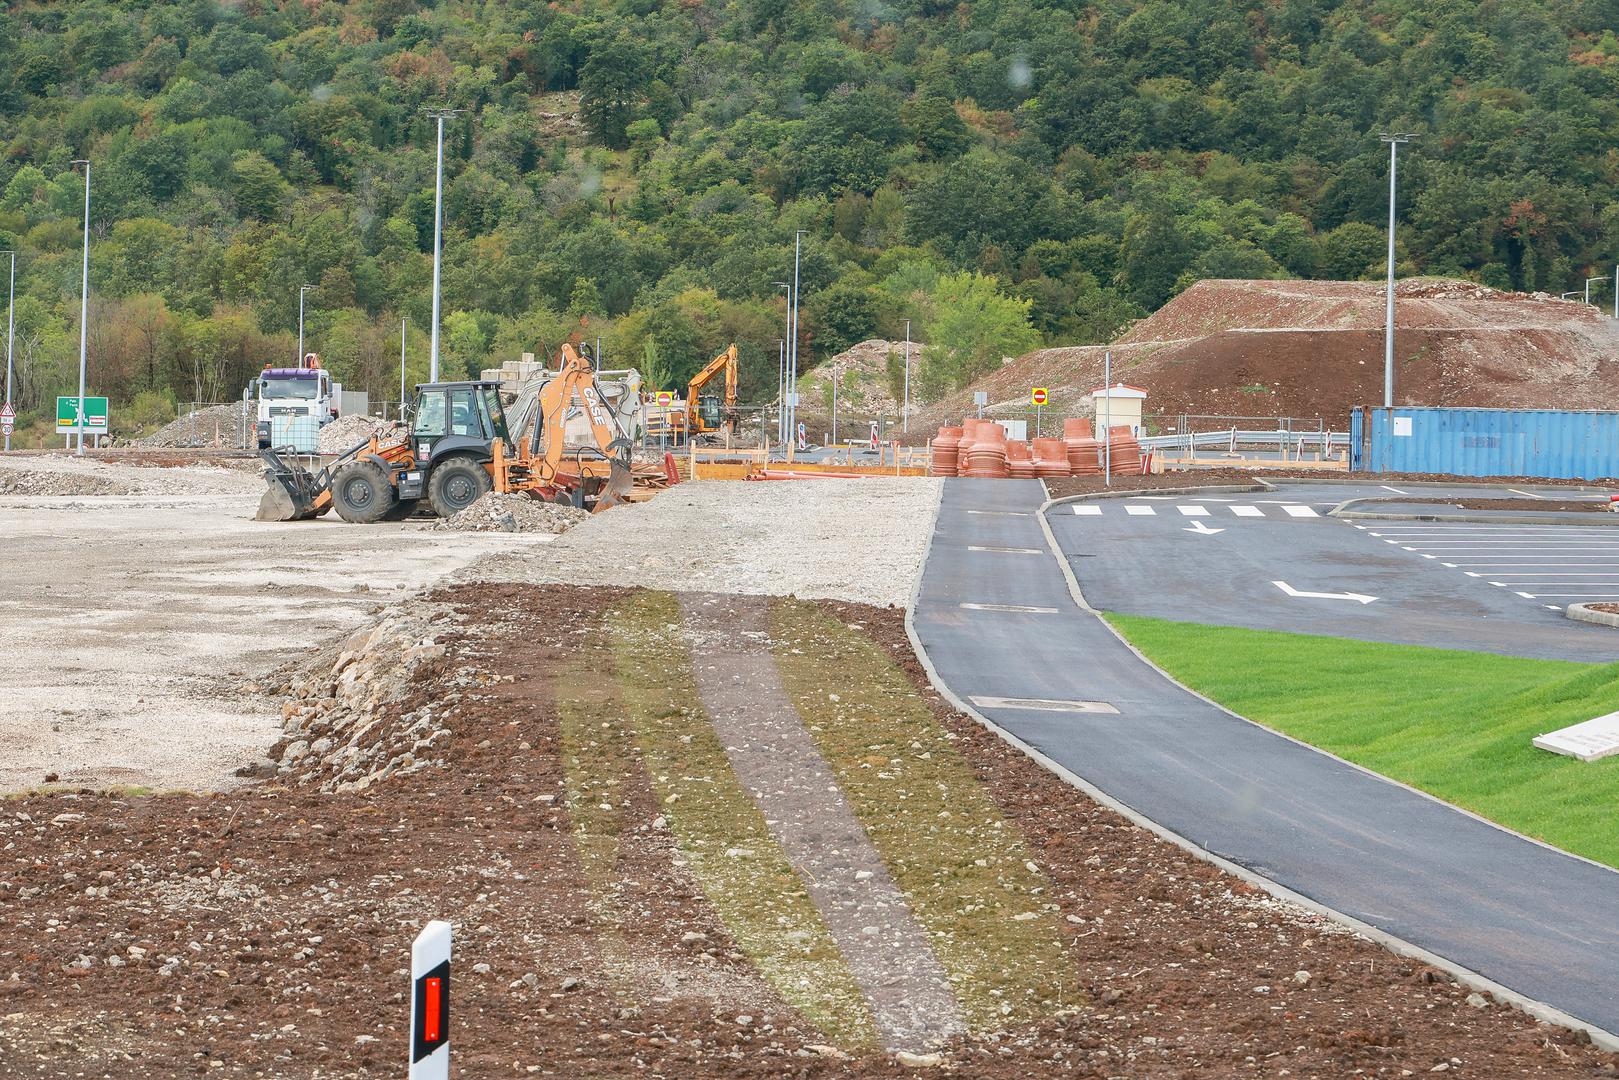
(905, 409)
(438, 235)
(781, 398)
(1588, 286)
(1394, 139)
(84, 302)
(792, 345)
(402, 323)
(11, 327)
(302, 289)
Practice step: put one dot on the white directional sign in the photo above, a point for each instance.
(1202, 529)
(1588, 741)
(1291, 591)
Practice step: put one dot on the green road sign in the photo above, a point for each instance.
(95, 415)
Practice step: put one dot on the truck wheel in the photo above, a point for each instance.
(362, 492)
(456, 485)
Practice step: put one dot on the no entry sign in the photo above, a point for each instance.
(1038, 395)
(430, 1003)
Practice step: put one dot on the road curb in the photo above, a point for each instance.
(1586, 613)
(1600, 1037)
(1460, 481)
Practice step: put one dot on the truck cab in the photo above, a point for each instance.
(294, 404)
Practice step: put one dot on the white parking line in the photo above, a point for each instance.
(1531, 494)
(1015, 608)
(1007, 550)
(1140, 511)
(1193, 511)
(1385, 487)
(1300, 511)
(1087, 510)
(1001, 513)
(1247, 511)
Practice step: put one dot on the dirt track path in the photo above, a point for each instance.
(777, 761)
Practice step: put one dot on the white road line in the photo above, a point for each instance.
(1592, 595)
(1041, 704)
(1396, 490)
(1300, 511)
(1001, 513)
(1087, 509)
(1140, 511)
(1527, 596)
(1193, 511)
(1499, 584)
(1580, 581)
(1560, 573)
(1016, 608)
(1248, 511)
(1007, 550)
(1531, 494)
(1449, 564)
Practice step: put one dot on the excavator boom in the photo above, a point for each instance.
(724, 362)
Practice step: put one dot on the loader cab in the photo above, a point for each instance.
(708, 412)
(458, 416)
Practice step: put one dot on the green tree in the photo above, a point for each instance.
(1353, 250)
(970, 326)
(257, 186)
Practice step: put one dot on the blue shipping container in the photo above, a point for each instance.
(1486, 442)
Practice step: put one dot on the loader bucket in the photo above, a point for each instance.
(290, 491)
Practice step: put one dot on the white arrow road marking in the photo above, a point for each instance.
(1291, 591)
(1202, 529)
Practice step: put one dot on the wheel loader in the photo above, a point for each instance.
(459, 448)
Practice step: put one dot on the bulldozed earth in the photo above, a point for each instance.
(703, 816)
(631, 896)
(1315, 349)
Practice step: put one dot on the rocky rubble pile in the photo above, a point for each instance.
(348, 431)
(52, 482)
(339, 729)
(220, 426)
(495, 512)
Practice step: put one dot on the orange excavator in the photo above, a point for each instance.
(704, 413)
(459, 448)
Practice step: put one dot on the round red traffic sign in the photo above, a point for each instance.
(1039, 395)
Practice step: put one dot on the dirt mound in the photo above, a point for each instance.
(214, 426)
(495, 512)
(1315, 349)
(861, 372)
(346, 432)
(52, 482)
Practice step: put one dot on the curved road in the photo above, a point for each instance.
(998, 624)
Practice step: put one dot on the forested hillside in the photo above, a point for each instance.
(1000, 173)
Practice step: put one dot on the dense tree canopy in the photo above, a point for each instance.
(998, 172)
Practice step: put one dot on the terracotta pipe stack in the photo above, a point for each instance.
(946, 452)
(981, 448)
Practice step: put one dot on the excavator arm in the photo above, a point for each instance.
(576, 381)
(726, 362)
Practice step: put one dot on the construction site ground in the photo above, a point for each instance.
(686, 796)
(1314, 349)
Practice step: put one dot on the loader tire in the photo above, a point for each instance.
(457, 484)
(362, 493)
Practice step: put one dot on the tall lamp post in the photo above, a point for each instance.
(792, 345)
(11, 326)
(84, 301)
(440, 115)
(905, 409)
(402, 324)
(781, 398)
(302, 289)
(1394, 139)
(1588, 286)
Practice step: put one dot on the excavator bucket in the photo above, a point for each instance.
(291, 492)
(617, 487)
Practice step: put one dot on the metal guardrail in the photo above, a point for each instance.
(1235, 437)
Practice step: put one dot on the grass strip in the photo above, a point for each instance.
(1455, 724)
(969, 878)
(721, 832)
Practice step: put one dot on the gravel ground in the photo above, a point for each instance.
(346, 432)
(860, 540)
(495, 512)
(214, 425)
(64, 474)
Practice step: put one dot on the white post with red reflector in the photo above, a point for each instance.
(430, 1003)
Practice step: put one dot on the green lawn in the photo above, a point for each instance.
(1455, 724)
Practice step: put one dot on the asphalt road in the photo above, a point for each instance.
(996, 620)
(1238, 559)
